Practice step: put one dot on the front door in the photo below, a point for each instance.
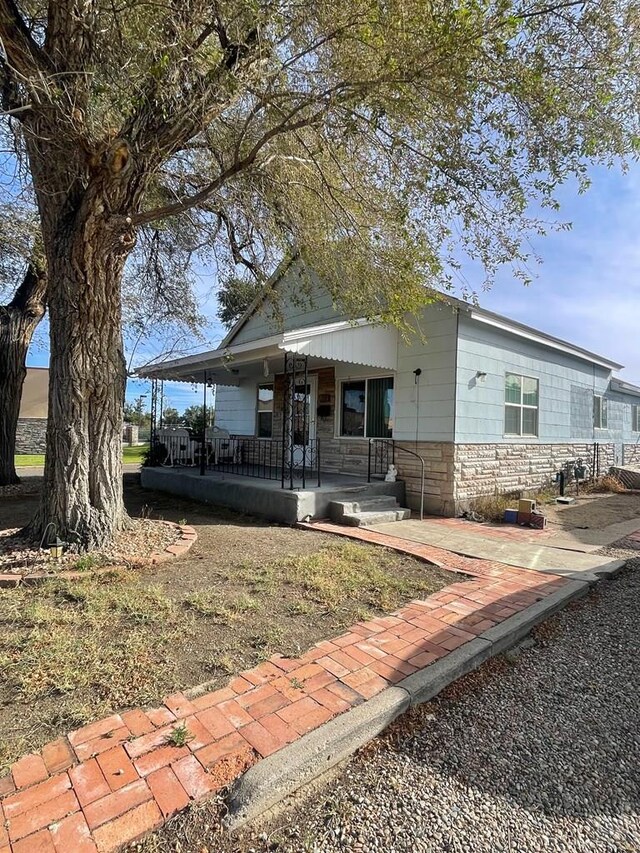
(305, 404)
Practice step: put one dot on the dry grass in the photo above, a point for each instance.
(492, 507)
(608, 483)
(71, 652)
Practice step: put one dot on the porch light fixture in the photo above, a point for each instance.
(481, 376)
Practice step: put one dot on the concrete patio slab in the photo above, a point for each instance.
(470, 542)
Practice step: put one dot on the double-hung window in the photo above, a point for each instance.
(599, 411)
(635, 418)
(366, 408)
(264, 425)
(520, 405)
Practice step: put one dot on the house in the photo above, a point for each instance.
(480, 403)
(31, 434)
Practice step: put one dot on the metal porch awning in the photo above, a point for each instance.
(355, 343)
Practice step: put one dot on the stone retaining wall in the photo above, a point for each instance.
(31, 436)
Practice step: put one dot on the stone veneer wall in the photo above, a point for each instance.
(31, 436)
(438, 481)
(632, 454)
(485, 469)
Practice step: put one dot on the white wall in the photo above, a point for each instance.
(236, 408)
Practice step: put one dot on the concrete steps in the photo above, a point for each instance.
(365, 512)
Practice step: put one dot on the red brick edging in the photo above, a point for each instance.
(178, 548)
(117, 779)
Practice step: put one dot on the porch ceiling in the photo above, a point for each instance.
(357, 343)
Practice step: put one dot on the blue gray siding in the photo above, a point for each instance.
(426, 410)
(299, 301)
(567, 385)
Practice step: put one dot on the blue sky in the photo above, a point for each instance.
(587, 289)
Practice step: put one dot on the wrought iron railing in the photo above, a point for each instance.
(264, 458)
(381, 455)
(377, 456)
(249, 457)
(300, 462)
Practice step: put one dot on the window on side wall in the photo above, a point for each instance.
(264, 425)
(635, 418)
(599, 411)
(366, 408)
(520, 405)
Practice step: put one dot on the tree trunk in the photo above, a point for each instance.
(82, 500)
(18, 322)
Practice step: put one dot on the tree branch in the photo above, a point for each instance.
(30, 295)
(17, 44)
(237, 167)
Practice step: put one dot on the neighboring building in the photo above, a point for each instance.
(490, 404)
(31, 436)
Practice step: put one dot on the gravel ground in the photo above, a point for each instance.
(543, 754)
(536, 752)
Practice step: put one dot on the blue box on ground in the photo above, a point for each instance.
(511, 516)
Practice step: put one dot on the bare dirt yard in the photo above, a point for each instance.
(72, 652)
(593, 510)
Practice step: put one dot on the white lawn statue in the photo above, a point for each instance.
(391, 475)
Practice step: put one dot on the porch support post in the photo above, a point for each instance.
(306, 442)
(203, 445)
(153, 436)
(284, 417)
(292, 416)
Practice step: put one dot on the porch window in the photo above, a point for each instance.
(367, 408)
(264, 427)
(520, 405)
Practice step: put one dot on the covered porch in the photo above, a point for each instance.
(290, 409)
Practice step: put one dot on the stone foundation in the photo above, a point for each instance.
(31, 436)
(632, 454)
(438, 470)
(487, 469)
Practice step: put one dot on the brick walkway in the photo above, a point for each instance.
(113, 781)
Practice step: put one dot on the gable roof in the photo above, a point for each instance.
(475, 313)
(267, 289)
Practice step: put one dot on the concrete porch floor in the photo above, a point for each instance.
(266, 498)
(559, 553)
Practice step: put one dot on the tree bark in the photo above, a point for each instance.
(82, 500)
(18, 322)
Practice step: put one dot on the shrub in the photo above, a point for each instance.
(609, 483)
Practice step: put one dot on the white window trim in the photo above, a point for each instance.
(338, 407)
(635, 417)
(521, 406)
(602, 410)
(255, 429)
